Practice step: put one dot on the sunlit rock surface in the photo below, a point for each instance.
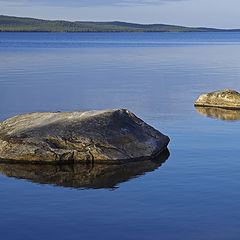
(111, 135)
(225, 99)
(82, 175)
(221, 113)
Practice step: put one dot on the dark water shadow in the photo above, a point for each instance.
(221, 113)
(81, 175)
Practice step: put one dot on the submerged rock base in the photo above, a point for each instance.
(81, 175)
(114, 135)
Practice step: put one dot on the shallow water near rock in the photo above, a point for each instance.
(158, 76)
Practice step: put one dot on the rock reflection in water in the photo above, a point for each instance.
(222, 113)
(81, 175)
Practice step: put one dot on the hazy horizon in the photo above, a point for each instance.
(189, 13)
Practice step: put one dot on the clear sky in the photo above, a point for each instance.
(207, 13)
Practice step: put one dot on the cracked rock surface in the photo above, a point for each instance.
(113, 135)
(226, 98)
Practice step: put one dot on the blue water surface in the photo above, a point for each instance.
(158, 76)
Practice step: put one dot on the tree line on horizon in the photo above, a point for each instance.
(21, 24)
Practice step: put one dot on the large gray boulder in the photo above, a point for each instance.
(111, 135)
(225, 99)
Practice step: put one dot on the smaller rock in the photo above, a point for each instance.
(226, 98)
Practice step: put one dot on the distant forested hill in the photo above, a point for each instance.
(20, 24)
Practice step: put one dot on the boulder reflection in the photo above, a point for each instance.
(224, 114)
(81, 175)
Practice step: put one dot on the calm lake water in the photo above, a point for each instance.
(194, 194)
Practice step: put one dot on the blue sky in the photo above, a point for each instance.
(209, 13)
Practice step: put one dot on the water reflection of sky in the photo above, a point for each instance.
(195, 192)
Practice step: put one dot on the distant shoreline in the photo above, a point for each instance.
(220, 31)
(22, 24)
